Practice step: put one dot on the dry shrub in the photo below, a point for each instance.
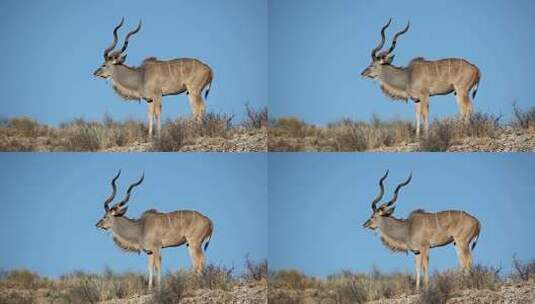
(352, 135)
(214, 125)
(523, 118)
(216, 277)
(349, 287)
(84, 290)
(523, 271)
(178, 133)
(292, 279)
(85, 287)
(440, 137)
(255, 270)
(27, 127)
(289, 126)
(172, 290)
(443, 133)
(373, 286)
(481, 125)
(440, 289)
(174, 136)
(256, 118)
(212, 277)
(83, 136)
(480, 277)
(445, 283)
(23, 279)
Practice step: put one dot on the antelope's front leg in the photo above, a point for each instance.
(418, 109)
(150, 115)
(157, 113)
(150, 258)
(418, 267)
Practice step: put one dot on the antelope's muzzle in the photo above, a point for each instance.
(99, 225)
(98, 72)
(365, 72)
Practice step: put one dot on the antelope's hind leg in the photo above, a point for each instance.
(464, 103)
(197, 257)
(465, 256)
(197, 105)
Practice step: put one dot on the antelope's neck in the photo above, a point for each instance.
(395, 231)
(127, 230)
(395, 77)
(128, 78)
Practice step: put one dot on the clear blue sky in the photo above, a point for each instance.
(318, 203)
(51, 203)
(51, 48)
(317, 50)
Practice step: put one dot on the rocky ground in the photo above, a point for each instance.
(507, 140)
(246, 140)
(241, 293)
(507, 293)
(240, 140)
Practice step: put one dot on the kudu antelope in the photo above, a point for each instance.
(422, 231)
(422, 79)
(154, 231)
(155, 78)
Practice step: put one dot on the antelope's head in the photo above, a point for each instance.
(385, 209)
(117, 56)
(118, 209)
(385, 57)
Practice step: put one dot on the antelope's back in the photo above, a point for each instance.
(171, 77)
(447, 221)
(441, 76)
(174, 227)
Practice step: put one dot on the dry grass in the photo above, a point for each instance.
(81, 287)
(523, 118)
(26, 134)
(291, 134)
(256, 118)
(523, 271)
(443, 133)
(176, 134)
(348, 287)
(255, 270)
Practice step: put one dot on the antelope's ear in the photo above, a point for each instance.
(388, 212)
(120, 212)
(387, 59)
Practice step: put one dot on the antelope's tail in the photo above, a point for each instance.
(478, 230)
(209, 236)
(209, 85)
(476, 83)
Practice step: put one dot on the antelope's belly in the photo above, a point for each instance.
(441, 88)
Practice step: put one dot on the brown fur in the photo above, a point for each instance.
(125, 245)
(394, 93)
(392, 244)
(125, 93)
(422, 231)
